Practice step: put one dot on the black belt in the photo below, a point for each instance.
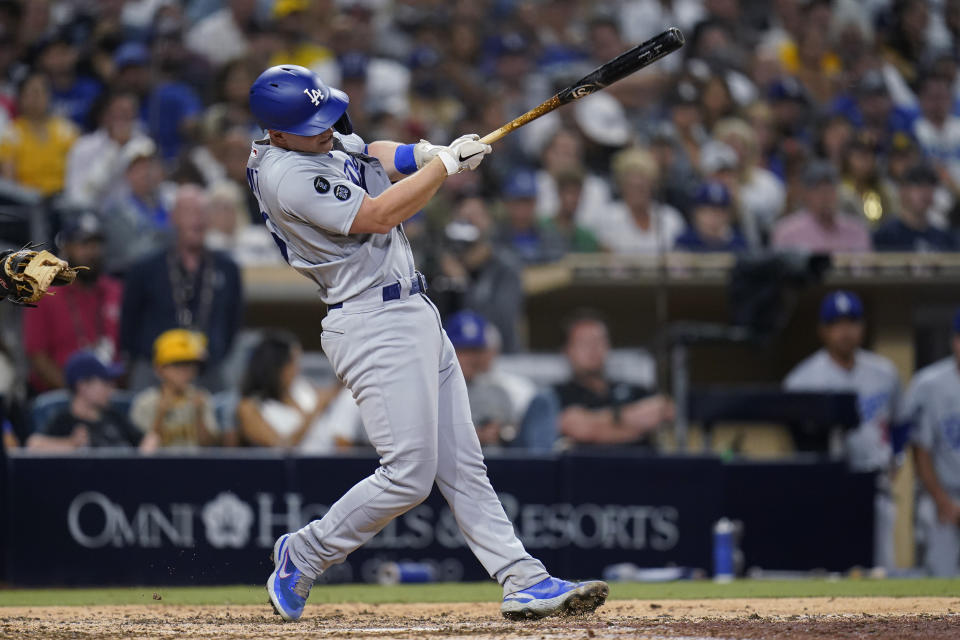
(393, 291)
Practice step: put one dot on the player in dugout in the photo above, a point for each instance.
(931, 409)
(843, 365)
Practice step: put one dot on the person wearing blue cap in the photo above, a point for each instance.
(712, 228)
(73, 92)
(791, 106)
(842, 365)
(88, 421)
(489, 403)
(521, 233)
(169, 108)
(937, 129)
(931, 412)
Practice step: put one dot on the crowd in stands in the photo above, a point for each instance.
(825, 125)
(110, 106)
(814, 125)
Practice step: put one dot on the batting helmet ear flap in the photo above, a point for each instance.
(343, 125)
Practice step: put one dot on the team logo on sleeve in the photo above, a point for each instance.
(321, 184)
(341, 192)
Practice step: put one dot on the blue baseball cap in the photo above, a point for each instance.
(522, 183)
(713, 194)
(510, 43)
(467, 330)
(559, 56)
(840, 304)
(787, 88)
(84, 365)
(131, 54)
(353, 66)
(85, 225)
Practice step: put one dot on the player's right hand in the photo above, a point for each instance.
(469, 151)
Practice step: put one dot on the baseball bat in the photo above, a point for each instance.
(603, 76)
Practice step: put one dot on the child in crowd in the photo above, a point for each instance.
(175, 413)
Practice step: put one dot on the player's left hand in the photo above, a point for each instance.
(425, 151)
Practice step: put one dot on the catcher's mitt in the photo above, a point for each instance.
(25, 275)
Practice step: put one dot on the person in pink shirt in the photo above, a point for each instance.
(820, 226)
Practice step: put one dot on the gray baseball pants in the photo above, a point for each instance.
(402, 369)
(941, 556)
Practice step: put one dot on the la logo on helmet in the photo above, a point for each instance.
(315, 96)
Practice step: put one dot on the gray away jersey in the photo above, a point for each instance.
(932, 407)
(309, 201)
(874, 379)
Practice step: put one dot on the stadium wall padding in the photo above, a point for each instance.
(123, 520)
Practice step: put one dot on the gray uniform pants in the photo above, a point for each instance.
(942, 549)
(404, 374)
(884, 521)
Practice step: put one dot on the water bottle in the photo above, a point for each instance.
(723, 550)
(402, 572)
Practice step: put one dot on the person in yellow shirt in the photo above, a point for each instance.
(811, 59)
(33, 149)
(300, 44)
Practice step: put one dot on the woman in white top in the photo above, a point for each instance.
(637, 223)
(280, 408)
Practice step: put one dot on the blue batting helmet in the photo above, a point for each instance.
(293, 99)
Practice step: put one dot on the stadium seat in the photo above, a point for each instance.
(225, 409)
(635, 366)
(48, 404)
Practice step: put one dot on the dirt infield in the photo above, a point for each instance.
(788, 618)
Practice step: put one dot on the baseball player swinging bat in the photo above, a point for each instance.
(335, 206)
(603, 76)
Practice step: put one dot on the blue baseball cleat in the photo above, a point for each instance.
(553, 597)
(287, 586)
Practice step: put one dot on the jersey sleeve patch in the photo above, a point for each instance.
(323, 200)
